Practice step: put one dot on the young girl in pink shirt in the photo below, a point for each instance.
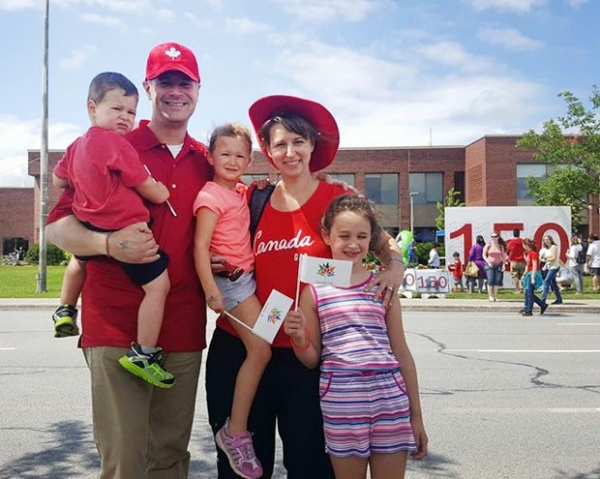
(223, 229)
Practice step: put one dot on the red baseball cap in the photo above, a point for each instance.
(172, 56)
(329, 135)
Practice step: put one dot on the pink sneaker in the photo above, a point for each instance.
(240, 452)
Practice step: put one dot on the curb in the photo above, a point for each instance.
(417, 304)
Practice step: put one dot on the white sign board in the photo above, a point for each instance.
(430, 281)
(463, 224)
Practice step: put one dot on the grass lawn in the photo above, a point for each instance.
(509, 293)
(21, 281)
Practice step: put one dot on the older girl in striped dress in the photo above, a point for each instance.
(369, 389)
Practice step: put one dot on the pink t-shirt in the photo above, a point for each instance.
(495, 253)
(231, 237)
(103, 167)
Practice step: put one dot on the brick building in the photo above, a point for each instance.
(16, 218)
(491, 171)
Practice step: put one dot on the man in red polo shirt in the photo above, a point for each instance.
(140, 431)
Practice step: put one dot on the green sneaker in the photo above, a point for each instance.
(147, 367)
(65, 321)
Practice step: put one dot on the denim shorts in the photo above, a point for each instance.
(235, 292)
(494, 275)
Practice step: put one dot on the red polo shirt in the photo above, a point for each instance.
(110, 301)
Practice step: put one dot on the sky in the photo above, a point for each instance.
(393, 73)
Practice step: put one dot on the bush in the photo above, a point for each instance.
(54, 255)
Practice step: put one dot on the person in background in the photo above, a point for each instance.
(515, 254)
(593, 261)
(413, 260)
(434, 257)
(494, 255)
(360, 346)
(457, 269)
(141, 431)
(575, 262)
(532, 279)
(564, 278)
(551, 265)
(476, 255)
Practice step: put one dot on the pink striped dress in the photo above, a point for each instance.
(363, 397)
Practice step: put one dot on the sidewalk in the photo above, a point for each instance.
(430, 304)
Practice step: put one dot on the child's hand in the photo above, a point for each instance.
(214, 301)
(294, 326)
(421, 440)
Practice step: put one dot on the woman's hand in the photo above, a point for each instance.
(386, 284)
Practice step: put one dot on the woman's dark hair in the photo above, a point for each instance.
(530, 244)
(356, 204)
(479, 240)
(291, 122)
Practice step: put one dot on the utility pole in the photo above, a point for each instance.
(412, 211)
(41, 276)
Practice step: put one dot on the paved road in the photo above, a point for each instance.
(504, 397)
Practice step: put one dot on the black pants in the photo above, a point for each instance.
(288, 395)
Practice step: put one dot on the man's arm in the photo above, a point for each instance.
(132, 244)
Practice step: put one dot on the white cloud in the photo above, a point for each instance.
(77, 58)
(451, 54)
(107, 21)
(216, 4)
(320, 11)
(12, 5)
(391, 103)
(132, 6)
(204, 23)
(164, 14)
(17, 136)
(243, 26)
(509, 38)
(510, 5)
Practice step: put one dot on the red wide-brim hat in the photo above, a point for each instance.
(327, 145)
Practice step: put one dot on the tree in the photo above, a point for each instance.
(452, 199)
(573, 141)
(560, 189)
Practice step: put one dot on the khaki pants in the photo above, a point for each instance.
(142, 432)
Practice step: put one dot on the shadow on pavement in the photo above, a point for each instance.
(434, 465)
(595, 474)
(69, 452)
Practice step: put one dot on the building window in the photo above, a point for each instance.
(348, 178)
(525, 171)
(429, 186)
(382, 188)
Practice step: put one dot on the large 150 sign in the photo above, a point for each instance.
(464, 224)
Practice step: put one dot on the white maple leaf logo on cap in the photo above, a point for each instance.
(172, 53)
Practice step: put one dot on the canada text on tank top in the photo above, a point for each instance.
(298, 241)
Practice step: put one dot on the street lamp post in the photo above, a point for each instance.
(412, 213)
